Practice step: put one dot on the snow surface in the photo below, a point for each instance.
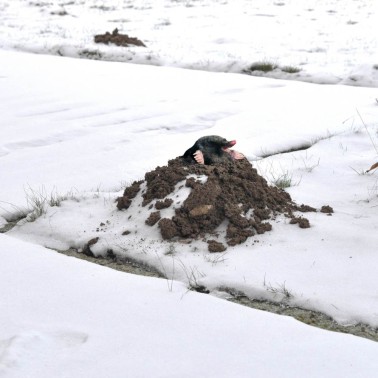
(68, 318)
(85, 129)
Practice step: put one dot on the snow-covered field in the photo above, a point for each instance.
(329, 41)
(83, 129)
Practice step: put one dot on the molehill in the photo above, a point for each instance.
(230, 193)
(118, 39)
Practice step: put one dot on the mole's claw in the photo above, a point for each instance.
(198, 157)
(236, 154)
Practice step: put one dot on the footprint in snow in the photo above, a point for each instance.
(36, 348)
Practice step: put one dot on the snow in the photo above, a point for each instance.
(80, 130)
(69, 318)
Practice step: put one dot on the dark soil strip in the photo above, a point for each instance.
(123, 265)
(303, 147)
(7, 227)
(313, 318)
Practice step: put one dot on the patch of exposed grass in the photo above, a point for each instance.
(103, 8)
(268, 66)
(281, 290)
(38, 201)
(91, 54)
(264, 66)
(193, 275)
(281, 177)
(60, 12)
(290, 69)
(285, 180)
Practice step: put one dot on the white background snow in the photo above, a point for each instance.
(86, 128)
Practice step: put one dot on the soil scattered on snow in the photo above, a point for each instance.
(230, 193)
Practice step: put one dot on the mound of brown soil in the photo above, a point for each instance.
(118, 39)
(232, 191)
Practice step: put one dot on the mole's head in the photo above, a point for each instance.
(216, 141)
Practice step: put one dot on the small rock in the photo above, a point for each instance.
(200, 210)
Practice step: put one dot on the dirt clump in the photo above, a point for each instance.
(87, 248)
(301, 222)
(214, 246)
(153, 218)
(118, 39)
(326, 209)
(231, 194)
(163, 204)
(168, 228)
(130, 192)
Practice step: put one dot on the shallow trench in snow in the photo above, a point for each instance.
(309, 317)
(313, 318)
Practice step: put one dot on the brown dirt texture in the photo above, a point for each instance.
(233, 193)
(118, 39)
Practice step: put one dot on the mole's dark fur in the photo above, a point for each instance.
(213, 148)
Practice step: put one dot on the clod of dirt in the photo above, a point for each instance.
(87, 248)
(301, 222)
(168, 228)
(230, 193)
(200, 289)
(163, 204)
(130, 192)
(153, 218)
(326, 209)
(306, 209)
(118, 39)
(214, 246)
